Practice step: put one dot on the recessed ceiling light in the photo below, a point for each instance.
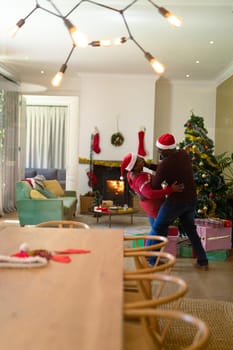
(42, 71)
(197, 61)
(211, 42)
(187, 75)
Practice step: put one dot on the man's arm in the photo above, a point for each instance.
(160, 175)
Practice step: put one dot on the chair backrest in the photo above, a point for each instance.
(164, 261)
(63, 224)
(175, 329)
(159, 242)
(166, 289)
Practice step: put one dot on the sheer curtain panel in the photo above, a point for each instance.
(46, 136)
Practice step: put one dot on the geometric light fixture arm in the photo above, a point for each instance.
(57, 79)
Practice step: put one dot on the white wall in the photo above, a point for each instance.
(175, 102)
(106, 100)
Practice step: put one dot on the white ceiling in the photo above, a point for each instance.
(43, 43)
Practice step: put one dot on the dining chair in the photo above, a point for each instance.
(159, 244)
(174, 330)
(135, 243)
(63, 224)
(136, 262)
(166, 289)
(164, 262)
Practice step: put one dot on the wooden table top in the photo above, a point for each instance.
(76, 305)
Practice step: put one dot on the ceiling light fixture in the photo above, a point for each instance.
(80, 40)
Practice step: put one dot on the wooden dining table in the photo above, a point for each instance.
(63, 306)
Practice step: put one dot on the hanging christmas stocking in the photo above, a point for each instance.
(141, 150)
(95, 145)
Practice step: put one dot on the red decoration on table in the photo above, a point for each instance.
(58, 255)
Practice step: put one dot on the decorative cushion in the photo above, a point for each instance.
(34, 194)
(55, 187)
(46, 193)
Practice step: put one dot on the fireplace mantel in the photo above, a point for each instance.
(108, 163)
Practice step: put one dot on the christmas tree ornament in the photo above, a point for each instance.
(206, 184)
(201, 163)
(203, 175)
(141, 148)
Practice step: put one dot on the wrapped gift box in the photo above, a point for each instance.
(172, 238)
(214, 237)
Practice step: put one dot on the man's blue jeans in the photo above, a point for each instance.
(185, 211)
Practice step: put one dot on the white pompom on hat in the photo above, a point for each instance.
(166, 141)
(128, 163)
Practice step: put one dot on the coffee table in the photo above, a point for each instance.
(110, 213)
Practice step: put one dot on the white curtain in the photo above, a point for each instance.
(46, 136)
(9, 113)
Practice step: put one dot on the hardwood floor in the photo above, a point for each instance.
(216, 283)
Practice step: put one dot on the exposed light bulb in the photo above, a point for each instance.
(172, 19)
(156, 65)
(79, 38)
(175, 21)
(105, 43)
(57, 79)
(12, 31)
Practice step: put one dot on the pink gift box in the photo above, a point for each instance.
(172, 240)
(214, 238)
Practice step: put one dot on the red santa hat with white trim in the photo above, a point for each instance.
(128, 163)
(166, 141)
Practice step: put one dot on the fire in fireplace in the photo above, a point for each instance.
(110, 186)
(115, 188)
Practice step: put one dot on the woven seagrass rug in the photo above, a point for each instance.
(218, 315)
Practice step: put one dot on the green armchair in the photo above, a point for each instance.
(34, 211)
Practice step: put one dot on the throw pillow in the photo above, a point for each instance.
(34, 194)
(55, 187)
(46, 193)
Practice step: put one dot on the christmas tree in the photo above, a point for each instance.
(211, 187)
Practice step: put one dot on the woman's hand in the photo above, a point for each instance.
(177, 187)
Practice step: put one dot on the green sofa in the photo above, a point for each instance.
(33, 211)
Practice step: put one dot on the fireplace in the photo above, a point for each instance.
(110, 186)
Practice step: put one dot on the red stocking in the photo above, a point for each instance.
(95, 145)
(141, 150)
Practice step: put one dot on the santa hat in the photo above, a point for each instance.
(166, 141)
(128, 163)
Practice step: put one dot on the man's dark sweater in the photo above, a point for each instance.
(176, 167)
